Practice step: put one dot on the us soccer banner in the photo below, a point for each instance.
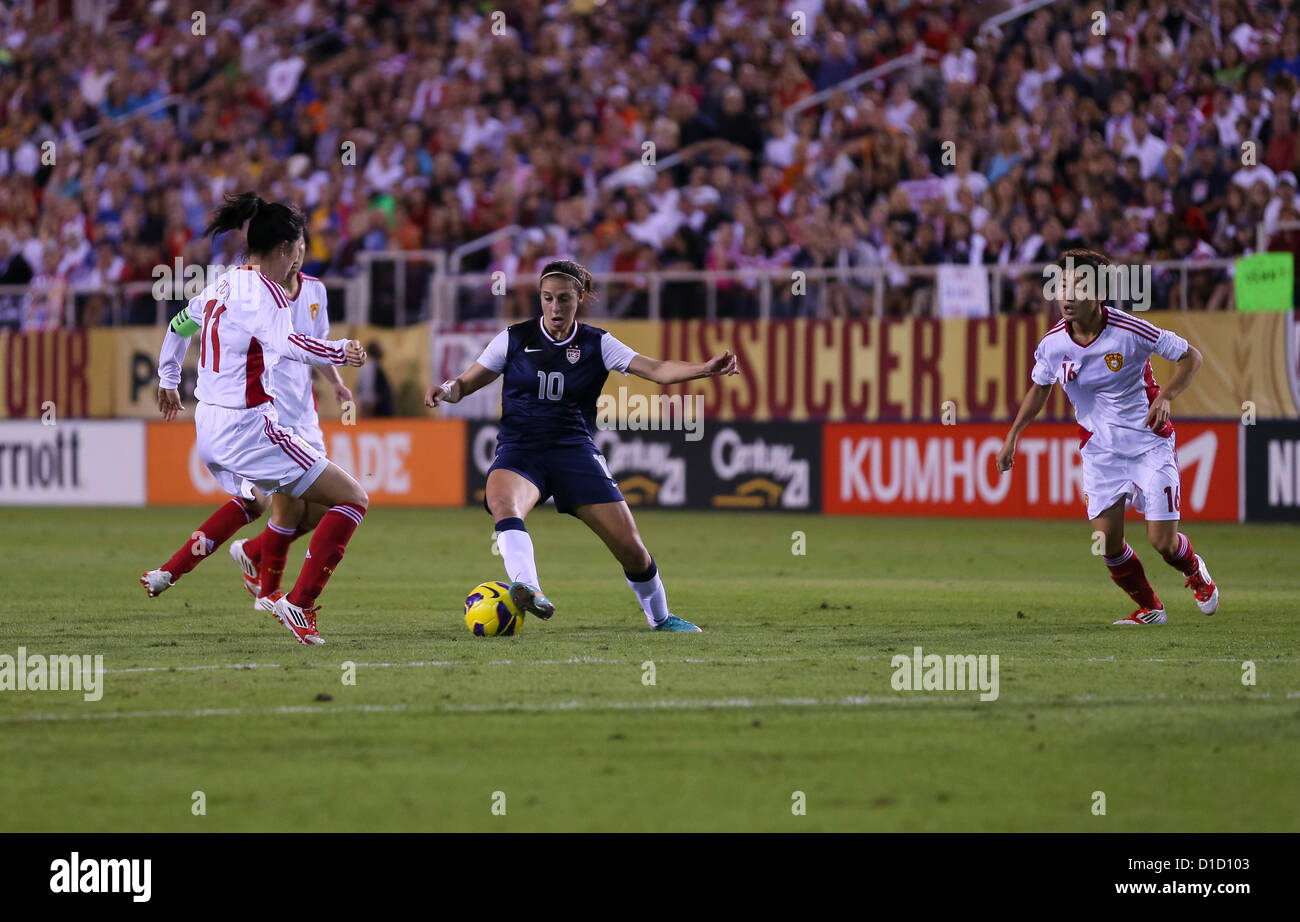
(929, 470)
(57, 374)
(921, 369)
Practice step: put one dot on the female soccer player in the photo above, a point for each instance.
(296, 406)
(246, 332)
(554, 370)
(262, 558)
(1101, 356)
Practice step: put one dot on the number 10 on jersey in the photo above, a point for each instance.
(550, 385)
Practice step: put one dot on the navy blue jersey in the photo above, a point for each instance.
(550, 387)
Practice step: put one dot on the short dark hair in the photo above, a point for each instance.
(1083, 257)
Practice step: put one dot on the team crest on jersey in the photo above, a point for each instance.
(314, 308)
(1114, 361)
(573, 353)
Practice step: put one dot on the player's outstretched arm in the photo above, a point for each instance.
(667, 371)
(312, 351)
(273, 327)
(1184, 370)
(1030, 407)
(457, 389)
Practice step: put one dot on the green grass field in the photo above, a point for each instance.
(789, 688)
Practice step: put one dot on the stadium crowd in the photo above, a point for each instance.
(424, 125)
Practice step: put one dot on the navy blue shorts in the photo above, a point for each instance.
(575, 475)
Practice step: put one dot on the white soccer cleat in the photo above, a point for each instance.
(267, 603)
(252, 578)
(156, 582)
(300, 622)
(1206, 592)
(1145, 616)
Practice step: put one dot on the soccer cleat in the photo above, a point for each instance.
(267, 602)
(1145, 616)
(528, 597)
(1206, 592)
(673, 623)
(156, 582)
(252, 579)
(300, 622)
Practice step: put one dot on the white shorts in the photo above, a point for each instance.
(1149, 483)
(249, 446)
(309, 431)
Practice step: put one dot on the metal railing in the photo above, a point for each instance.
(1015, 12)
(480, 243)
(405, 287)
(1264, 234)
(778, 293)
(912, 59)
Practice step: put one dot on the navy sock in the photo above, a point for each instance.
(642, 577)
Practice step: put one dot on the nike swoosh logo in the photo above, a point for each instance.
(532, 350)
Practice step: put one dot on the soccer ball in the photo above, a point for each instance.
(489, 611)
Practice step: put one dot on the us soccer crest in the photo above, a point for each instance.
(314, 308)
(573, 353)
(1114, 361)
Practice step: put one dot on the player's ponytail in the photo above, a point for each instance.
(270, 224)
(575, 272)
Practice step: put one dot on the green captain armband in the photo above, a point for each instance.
(184, 325)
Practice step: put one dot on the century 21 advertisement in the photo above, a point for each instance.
(717, 466)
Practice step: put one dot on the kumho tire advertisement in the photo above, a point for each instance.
(935, 470)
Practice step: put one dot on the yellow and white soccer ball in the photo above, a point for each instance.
(490, 613)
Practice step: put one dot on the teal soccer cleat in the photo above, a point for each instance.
(673, 623)
(530, 599)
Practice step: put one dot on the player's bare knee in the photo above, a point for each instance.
(634, 557)
(1165, 544)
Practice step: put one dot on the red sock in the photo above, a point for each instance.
(228, 519)
(1184, 559)
(327, 546)
(253, 546)
(1126, 570)
(275, 550)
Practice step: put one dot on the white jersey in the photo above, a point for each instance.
(295, 399)
(1109, 381)
(247, 332)
(291, 385)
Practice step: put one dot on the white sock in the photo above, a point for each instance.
(517, 550)
(653, 598)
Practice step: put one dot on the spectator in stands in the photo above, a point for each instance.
(401, 127)
(374, 392)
